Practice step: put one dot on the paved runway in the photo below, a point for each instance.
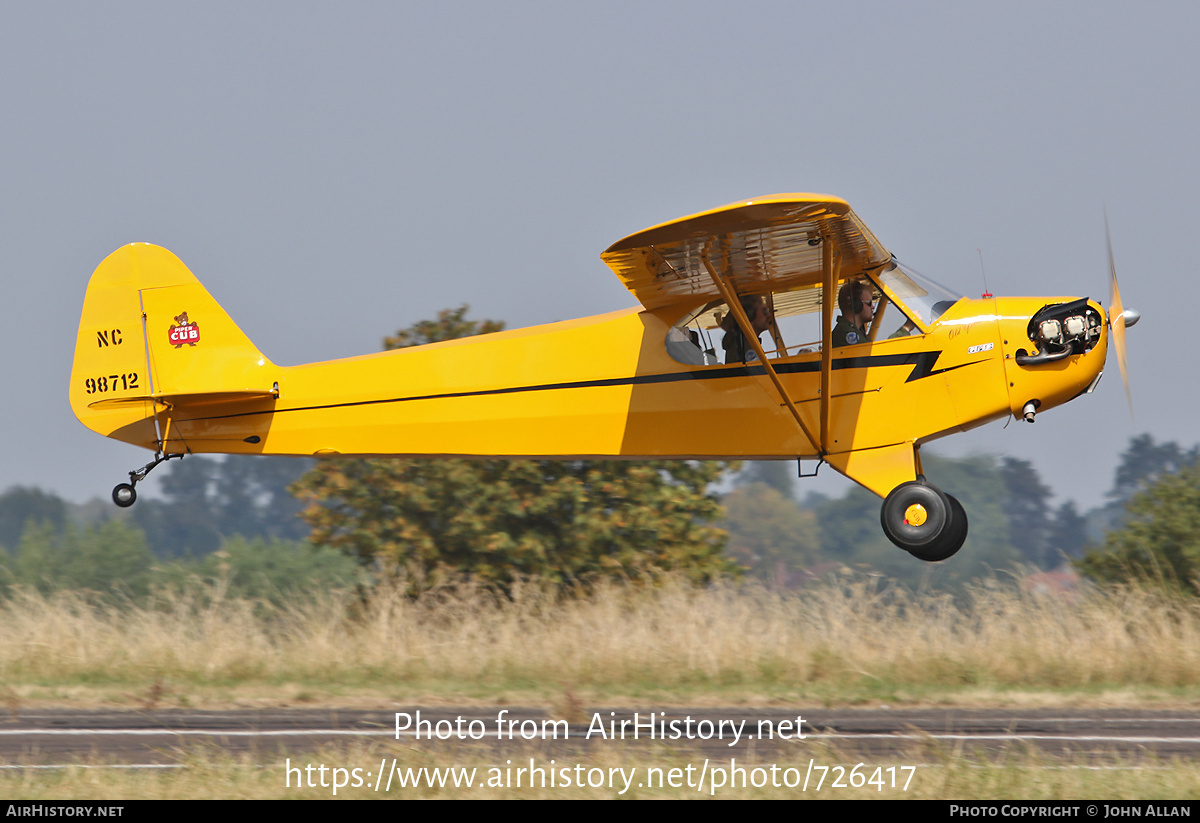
(57, 736)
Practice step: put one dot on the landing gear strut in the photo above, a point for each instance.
(124, 494)
(924, 521)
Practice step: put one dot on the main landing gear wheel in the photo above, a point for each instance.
(952, 538)
(922, 520)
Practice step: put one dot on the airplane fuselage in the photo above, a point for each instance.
(598, 387)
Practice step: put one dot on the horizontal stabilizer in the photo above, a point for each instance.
(227, 398)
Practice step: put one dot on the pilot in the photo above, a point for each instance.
(735, 344)
(857, 302)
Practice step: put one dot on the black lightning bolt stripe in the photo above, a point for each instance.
(922, 363)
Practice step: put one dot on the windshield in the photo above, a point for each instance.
(919, 296)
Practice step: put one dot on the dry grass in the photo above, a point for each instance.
(852, 641)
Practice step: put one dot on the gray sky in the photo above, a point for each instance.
(334, 172)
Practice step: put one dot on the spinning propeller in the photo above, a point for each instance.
(1119, 317)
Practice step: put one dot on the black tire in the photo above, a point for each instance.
(951, 538)
(124, 495)
(930, 511)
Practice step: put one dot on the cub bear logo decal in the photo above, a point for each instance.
(184, 332)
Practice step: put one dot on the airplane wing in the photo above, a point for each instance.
(768, 244)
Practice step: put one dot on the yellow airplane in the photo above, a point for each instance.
(159, 364)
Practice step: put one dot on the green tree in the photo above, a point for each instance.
(566, 521)
(207, 500)
(769, 533)
(1161, 538)
(1068, 531)
(112, 556)
(1028, 512)
(778, 474)
(20, 505)
(451, 324)
(1144, 461)
(277, 571)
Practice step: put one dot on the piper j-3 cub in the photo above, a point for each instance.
(160, 365)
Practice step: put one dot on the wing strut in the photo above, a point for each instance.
(739, 314)
(828, 281)
(877, 323)
(776, 335)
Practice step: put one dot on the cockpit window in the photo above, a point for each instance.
(795, 322)
(794, 328)
(684, 345)
(919, 296)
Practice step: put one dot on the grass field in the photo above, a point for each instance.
(847, 642)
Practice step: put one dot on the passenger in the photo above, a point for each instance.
(735, 344)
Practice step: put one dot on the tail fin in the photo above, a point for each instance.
(150, 338)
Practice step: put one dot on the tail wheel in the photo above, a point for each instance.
(923, 521)
(124, 495)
